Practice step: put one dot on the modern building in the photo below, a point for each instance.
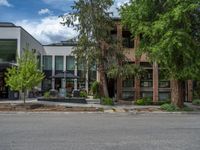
(13, 40)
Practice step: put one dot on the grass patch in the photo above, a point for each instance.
(107, 101)
(173, 108)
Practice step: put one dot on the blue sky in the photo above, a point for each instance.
(40, 17)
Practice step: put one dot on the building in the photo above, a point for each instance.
(152, 84)
(13, 40)
(58, 58)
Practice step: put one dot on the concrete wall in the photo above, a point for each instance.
(30, 41)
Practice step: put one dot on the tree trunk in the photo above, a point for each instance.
(177, 94)
(103, 83)
(24, 98)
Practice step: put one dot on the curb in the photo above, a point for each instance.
(82, 112)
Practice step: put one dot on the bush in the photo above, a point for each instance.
(107, 101)
(47, 94)
(161, 102)
(169, 107)
(144, 101)
(95, 89)
(196, 102)
(83, 94)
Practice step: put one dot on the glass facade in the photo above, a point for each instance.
(128, 87)
(70, 63)
(8, 50)
(147, 78)
(59, 63)
(47, 62)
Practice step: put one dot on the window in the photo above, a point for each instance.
(164, 84)
(147, 78)
(39, 61)
(127, 40)
(128, 95)
(147, 94)
(70, 63)
(47, 62)
(8, 50)
(128, 83)
(59, 63)
(164, 96)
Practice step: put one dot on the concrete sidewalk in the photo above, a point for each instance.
(109, 109)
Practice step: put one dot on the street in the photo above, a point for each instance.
(79, 131)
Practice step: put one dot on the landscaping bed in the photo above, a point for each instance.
(32, 107)
(65, 100)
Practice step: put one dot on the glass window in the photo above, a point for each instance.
(164, 84)
(128, 95)
(147, 78)
(127, 40)
(47, 62)
(128, 83)
(70, 62)
(8, 50)
(39, 61)
(147, 94)
(59, 63)
(164, 96)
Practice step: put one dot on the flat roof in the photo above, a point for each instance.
(12, 25)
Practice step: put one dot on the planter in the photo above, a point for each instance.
(65, 100)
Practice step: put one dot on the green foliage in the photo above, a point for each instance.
(95, 46)
(196, 102)
(47, 95)
(83, 94)
(161, 102)
(169, 107)
(107, 101)
(144, 101)
(169, 33)
(95, 89)
(26, 75)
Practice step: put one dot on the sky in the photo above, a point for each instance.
(40, 17)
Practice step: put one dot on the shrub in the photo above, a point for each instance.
(144, 101)
(107, 101)
(47, 94)
(95, 89)
(83, 94)
(161, 102)
(169, 107)
(196, 102)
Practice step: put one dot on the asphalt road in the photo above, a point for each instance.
(99, 132)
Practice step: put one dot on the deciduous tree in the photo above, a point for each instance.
(170, 35)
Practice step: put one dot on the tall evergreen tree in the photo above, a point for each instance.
(93, 21)
(170, 35)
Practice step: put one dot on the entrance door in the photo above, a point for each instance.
(3, 88)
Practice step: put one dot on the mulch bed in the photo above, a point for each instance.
(45, 108)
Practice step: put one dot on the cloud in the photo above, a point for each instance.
(116, 6)
(48, 30)
(45, 11)
(5, 3)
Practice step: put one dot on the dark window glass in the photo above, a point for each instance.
(147, 78)
(127, 40)
(164, 96)
(59, 63)
(8, 50)
(47, 62)
(70, 63)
